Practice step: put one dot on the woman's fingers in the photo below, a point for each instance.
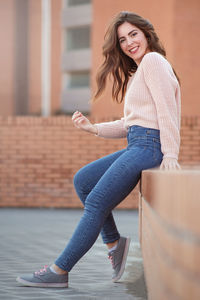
(170, 164)
(81, 122)
(77, 118)
(76, 115)
(78, 122)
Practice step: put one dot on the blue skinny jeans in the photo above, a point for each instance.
(103, 184)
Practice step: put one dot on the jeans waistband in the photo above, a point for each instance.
(144, 130)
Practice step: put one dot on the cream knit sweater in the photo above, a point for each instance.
(152, 100)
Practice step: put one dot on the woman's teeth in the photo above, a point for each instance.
(133, 50)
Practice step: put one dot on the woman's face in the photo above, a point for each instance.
(132, 41)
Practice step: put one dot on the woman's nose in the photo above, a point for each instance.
(129, 41)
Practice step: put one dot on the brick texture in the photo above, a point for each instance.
(190, 141)
(39, 157)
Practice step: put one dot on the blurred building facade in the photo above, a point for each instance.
(52, 49)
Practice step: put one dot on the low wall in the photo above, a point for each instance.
(39, 157)
(170, 233)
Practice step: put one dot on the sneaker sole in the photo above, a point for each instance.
(121, 271)
(34, 284)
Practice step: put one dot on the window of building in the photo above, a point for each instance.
(76, 90)
(78, 79)
(77, 2)
(78, 38)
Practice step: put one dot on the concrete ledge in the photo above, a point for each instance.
(170, 232)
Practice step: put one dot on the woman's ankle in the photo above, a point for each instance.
(111, 245)
(58, 270)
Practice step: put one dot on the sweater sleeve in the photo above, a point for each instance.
(115, 129)
(164, 89)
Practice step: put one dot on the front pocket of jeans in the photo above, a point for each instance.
(134, 138)
(138, 141)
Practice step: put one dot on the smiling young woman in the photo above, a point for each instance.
(119, 64)
(149, 87)
(132, 41)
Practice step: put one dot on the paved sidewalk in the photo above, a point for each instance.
(31, 238)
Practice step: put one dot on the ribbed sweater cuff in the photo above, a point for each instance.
(111, 130)
(171, 155)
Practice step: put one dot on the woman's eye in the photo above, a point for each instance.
(121, 41)
(134, 33)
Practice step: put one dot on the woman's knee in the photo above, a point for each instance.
(78, 180)
(82, 181)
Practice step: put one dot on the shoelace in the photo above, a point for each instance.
(41, 271)
(111, 259)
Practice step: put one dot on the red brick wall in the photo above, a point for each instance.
(190, 140)
(39, 156)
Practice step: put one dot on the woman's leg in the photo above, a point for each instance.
(86, 179)
(114, 185)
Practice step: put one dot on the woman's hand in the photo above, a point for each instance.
(81, 122)
(170, 164)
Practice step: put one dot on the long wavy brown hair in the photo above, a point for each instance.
(116, 63)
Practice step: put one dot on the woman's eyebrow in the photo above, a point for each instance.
(121, 37)
(131, 31)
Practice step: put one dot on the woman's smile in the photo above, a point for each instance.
(132, 41)
(133, 50)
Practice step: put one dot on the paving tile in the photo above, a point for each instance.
(30, 238)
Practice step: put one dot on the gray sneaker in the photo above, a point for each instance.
(118, 258)
(44, 278)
